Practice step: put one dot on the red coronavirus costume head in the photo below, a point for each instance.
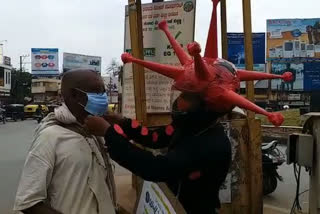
(216, 80)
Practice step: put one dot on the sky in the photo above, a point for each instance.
(96, 27)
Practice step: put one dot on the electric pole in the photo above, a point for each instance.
(22, 57)
(20, 63)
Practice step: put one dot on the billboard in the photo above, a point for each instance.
(306, 75)
(293, 38)
(236, 53)
(6, 60)
(180, 16)
(296, 68)
(45, 61)
(311, 76)
(73, 61)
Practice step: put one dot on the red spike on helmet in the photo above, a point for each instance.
(216, 80)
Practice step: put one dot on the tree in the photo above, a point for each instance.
(114, 71)
(114, 68)
(20, 85)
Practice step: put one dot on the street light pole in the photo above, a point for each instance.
(22, 57)
(20, 63)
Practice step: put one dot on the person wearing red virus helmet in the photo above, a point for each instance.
(198, 157)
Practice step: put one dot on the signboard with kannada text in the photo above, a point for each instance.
(180, 16)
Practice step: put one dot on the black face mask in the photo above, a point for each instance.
(197, 118)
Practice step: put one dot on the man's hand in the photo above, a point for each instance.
(96, 125)
(114, 118)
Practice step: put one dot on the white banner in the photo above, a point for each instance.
(45, 61)
(153, 200)
(180, 16)
(73, 61)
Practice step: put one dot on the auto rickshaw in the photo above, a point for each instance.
(113, 108)
(33, 111)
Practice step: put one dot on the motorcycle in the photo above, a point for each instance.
(3, 115)
(39, 117)
(272, 158)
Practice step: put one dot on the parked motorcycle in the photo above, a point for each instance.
(3, 115)
(272, 158)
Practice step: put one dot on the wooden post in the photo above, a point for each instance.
(137, 51)
(254, 146)
(248, 49)
(136, 34)
(269, 70)
(224, 29)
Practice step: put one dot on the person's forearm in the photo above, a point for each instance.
(140, 162)
(40, 208)
(154, 139)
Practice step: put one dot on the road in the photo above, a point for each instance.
(284, 195)
(15, 139)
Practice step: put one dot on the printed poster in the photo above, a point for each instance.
(45, 61)
(180, 16)
(74, 61)
(153, 200)
(293, 38)
(297, 70)
(236, 52)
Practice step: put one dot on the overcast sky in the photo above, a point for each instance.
(96, 27)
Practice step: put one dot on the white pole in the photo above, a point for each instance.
(1, 53)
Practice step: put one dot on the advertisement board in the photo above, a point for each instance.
(306, 75)
(73, 61)
(236, 53)
(45, 61)
(153, 200)
(294, 97)
(293, 38)
(296, 68)
(312, 76)
(180, 16)
(6, 60)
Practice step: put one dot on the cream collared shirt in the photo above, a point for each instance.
(62, 170)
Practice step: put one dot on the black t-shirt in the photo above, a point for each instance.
(195, 165)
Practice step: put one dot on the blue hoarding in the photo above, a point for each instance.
(236, 53)
(311, 76)
(306, 75)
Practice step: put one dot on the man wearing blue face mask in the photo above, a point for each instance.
(67, 170)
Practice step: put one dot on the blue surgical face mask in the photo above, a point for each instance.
(97, 103)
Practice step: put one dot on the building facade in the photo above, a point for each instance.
(5, 83)
(46, 90)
